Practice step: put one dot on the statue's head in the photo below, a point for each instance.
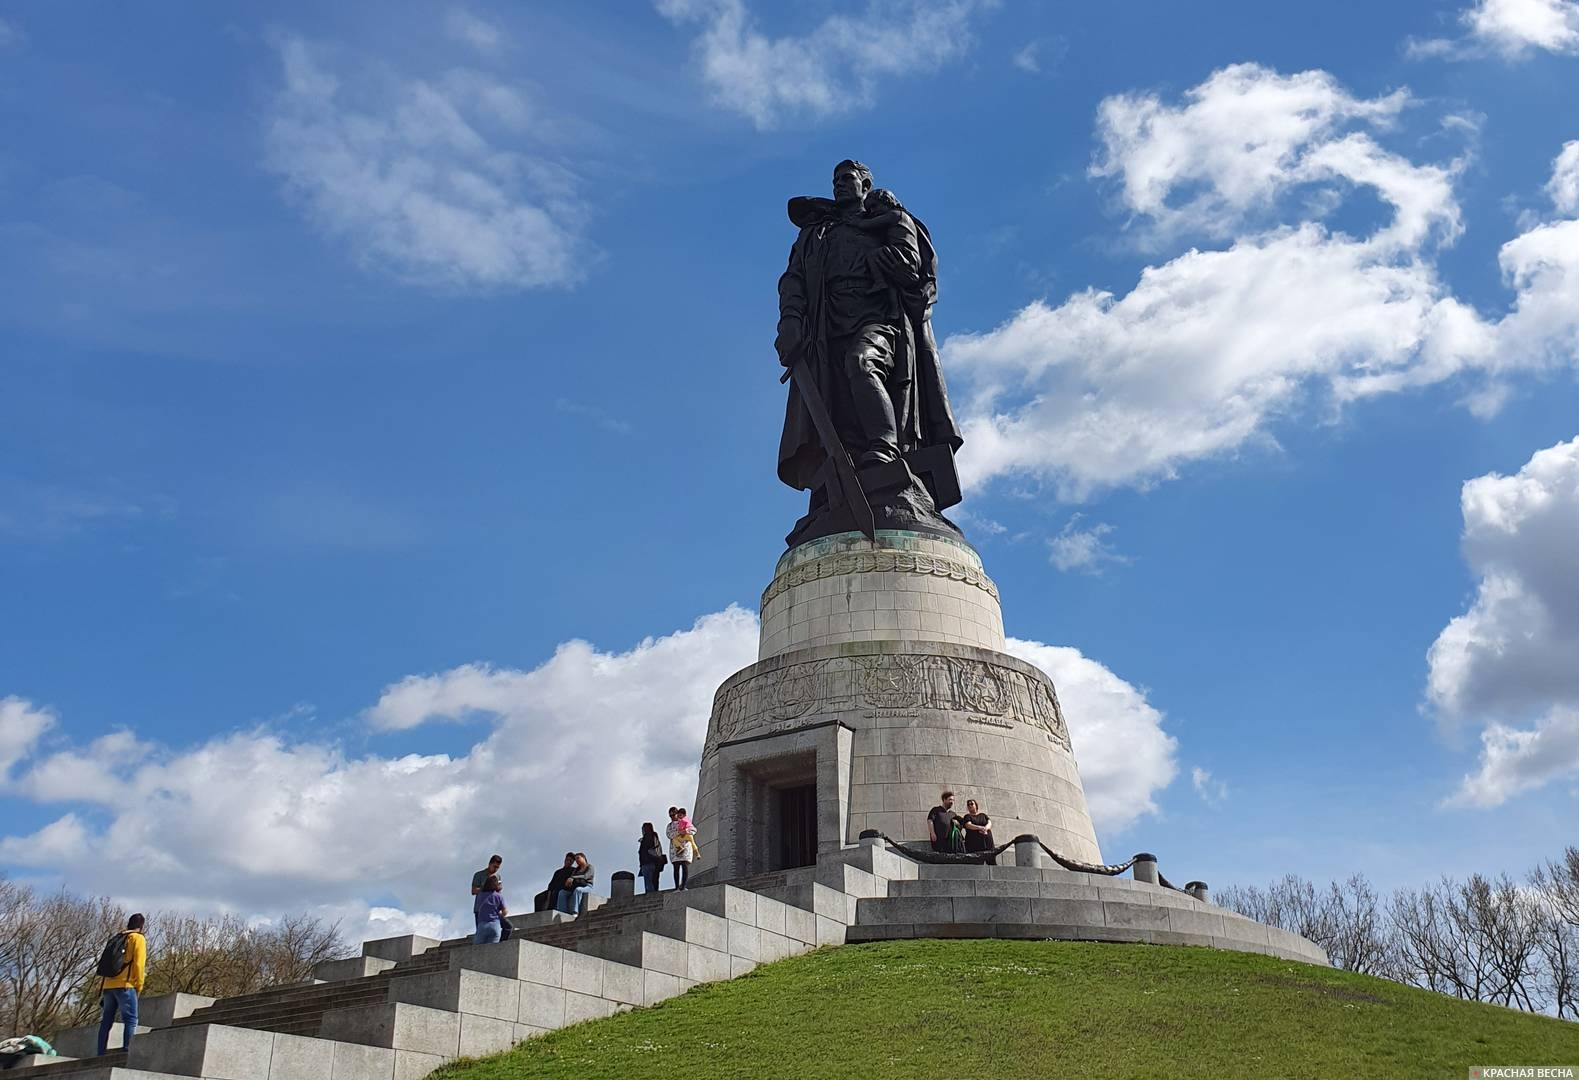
(851, 183)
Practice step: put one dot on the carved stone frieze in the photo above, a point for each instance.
(887, 684)
(880, 562)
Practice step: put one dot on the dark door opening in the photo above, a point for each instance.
(797, 826)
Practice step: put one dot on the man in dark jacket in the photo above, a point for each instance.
(548, 899)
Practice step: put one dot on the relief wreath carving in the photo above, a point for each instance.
(980, 687)
(879, 562)
(888, 683)
(892, 681)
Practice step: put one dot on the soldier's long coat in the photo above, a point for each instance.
(921, 405)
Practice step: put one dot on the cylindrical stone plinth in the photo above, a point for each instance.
(882, 682)
(904, 587)
(622, 885)
(1145, 869)
(1027, 853)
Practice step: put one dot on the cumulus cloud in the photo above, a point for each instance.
(1125, 757)
(1514, 760)
(832, 68)
(21, 725)
(1511, 657)
(1242, 138)
(1210, 349)
(425, 179)
(1513, 652)
(1084, 549)
(575, 752)
(1509, 28)
(1563, 187)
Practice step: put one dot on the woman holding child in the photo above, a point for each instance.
(682, 844)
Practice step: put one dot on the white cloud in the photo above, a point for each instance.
(1213, 347)
(1246, 135)
(21, 726)
(1026, 58)
(1511, 656)
(1511, 29)
(1125, 757)
(1088, 550)
(576, 752)
(424, 178)
(479, 33)
(1197, 359)
(1564, 184)
(62, 842)
(1513, 652)
(832, 68)
(1211, 790)
(1514, 761)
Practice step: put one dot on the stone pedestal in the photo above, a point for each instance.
(881, 682)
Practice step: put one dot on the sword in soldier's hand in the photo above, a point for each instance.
(840, 474)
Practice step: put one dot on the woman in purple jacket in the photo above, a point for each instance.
(490, 910)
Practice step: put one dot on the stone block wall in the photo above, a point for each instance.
(907, 587)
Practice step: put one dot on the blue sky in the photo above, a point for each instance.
(388, 415)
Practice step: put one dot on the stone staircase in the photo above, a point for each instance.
(409, 1004)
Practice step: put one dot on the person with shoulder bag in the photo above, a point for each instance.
(122, 965)
(650, 858)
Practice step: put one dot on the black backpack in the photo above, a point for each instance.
(112, 961)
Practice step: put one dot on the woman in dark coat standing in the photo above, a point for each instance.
(650, 857)
(978, 830)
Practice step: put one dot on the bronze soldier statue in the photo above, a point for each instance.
(868, 429)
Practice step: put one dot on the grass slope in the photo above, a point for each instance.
(1037, 1009)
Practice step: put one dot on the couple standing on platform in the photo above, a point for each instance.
(967, 832)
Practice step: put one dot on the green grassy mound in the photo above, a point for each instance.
(1039, 1009)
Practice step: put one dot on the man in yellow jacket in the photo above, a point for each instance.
(121, 989)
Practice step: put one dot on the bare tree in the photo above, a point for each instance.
(1361, 939)
(1506, 922)
(292, 947)
(1291, 903)
(221, 955)
(1556, 889)
(1416, 916)
(48, 946)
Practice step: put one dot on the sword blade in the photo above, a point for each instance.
(833, 447)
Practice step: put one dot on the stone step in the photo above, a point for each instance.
(112, 1066)
(1147, 914)
(66, 1066)
(93, 1069)
(222, 1050)
(83, 1042)
(294, 1014)
(294, 997)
